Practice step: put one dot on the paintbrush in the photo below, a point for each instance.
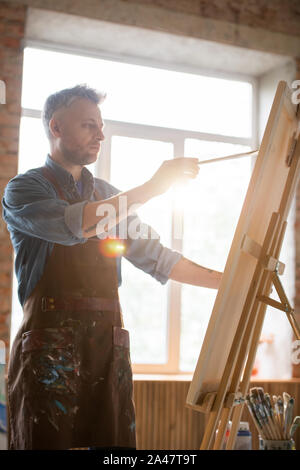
(256, 420)
(229, 157)
(255, 408)
(277, 415)
(288, 418)
(264, 412)
(271, 411)
(295, 425)
(286, 398)
(270, 414)
(272, 401)
(264, 406)
(260, 412)
(281, 417)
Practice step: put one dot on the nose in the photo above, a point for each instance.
(100, 136)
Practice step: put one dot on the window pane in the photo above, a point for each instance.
(209, 227)
(144, 300)
(34, 145)
(144, 95)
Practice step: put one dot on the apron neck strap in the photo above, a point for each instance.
(50, 176)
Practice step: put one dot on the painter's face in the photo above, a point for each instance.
(79, 131)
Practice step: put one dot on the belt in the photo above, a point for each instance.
(50, 304)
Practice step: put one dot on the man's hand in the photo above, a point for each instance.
(173, 171)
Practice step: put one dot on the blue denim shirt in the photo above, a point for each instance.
(37, 219)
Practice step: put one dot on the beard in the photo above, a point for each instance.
(77, 156)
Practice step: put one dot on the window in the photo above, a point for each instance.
(151, 115)
(209, 227)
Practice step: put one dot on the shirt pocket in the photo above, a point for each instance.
(50, 362)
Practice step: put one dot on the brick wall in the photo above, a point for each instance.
(282, 16)
(12, 21)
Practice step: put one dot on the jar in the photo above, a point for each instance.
(265, 444)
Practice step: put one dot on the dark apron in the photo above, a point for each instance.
(69, 372)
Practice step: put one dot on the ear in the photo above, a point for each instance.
(54, 127)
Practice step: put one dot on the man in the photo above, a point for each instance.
(69, 376)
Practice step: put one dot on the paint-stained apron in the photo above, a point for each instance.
(69, 372)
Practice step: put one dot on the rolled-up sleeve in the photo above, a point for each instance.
(30, 205)
(149, 254)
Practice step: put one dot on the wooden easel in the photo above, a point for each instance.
(242, 354)
(227, 402)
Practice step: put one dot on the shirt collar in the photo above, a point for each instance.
(64, 177)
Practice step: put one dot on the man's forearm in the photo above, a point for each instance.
(171, 171)
(90, 219)
(188, 272)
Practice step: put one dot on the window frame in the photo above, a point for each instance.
(177, 138)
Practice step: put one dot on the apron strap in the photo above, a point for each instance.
(50, 176)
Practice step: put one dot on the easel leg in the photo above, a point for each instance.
(252, 338)
(237, 413)
(225, 416)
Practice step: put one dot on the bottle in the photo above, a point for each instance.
(244, 437)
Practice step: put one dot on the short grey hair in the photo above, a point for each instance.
(65, 98)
